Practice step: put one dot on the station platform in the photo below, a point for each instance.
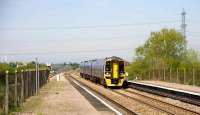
(60, 97)
(172, 86)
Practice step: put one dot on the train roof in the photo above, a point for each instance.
(107, 58)
(113, 58)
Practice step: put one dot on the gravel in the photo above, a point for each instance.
(139, 107)
(132, 105)
(168, 100)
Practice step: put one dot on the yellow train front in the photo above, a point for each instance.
(108, 71)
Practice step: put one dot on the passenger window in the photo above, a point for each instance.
(108, 66)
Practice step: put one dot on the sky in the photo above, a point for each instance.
(59, 31)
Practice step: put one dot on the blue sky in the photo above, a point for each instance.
(75, 30)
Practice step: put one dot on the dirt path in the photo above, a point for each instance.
(58, 98)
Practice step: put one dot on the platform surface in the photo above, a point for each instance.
(61, 98)
(175, 86)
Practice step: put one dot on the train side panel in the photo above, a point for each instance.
(81, 69)
(98, 68)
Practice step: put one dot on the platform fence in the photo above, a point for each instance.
(188, 76)
(16, 87)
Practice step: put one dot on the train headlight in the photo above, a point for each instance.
(107, 75)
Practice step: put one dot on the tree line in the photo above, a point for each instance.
(13, 66)
(162, 50)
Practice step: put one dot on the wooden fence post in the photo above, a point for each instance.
(149, 75)
(193, 76)
(45, 76)
(164, 74)
(26, 85)
(153, 74)
(34, 82)
(30, 84)
(170, 74)
(184, 76)
(22, 87)
(177, 80)
(15, 102)
(7, 95)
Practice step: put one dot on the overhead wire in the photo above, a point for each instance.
(86, 27)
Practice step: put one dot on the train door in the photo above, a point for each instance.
(115, 70)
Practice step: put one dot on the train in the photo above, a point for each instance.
(109, 71)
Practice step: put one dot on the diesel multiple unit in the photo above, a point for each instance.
(108, 71)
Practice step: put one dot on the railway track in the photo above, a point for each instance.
(127, 111)
(186, 97)
(127, 95)
(156, 103)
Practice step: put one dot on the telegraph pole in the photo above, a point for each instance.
(183, 25)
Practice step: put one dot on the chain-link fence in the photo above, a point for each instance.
(189, 76)
(16, 87)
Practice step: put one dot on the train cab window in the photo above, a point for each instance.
(108, 66)
(121, 67)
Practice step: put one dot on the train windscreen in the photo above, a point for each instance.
(121, 66)
(108, 66)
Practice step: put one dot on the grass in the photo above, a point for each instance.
(32, 104)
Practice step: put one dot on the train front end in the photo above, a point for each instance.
(114, 73)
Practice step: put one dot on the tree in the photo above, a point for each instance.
(73, 65)
(166, 48)
(5, 66)
(191, 60)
